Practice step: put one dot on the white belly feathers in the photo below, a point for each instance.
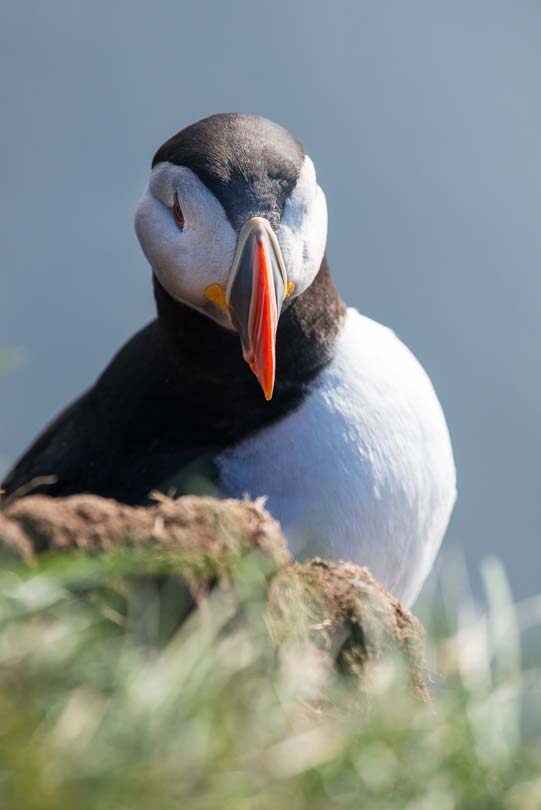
(363, 470)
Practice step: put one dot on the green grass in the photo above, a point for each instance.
(105, 704)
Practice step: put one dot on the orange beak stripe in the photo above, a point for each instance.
(263, 320)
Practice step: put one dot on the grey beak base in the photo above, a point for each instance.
(239, 292)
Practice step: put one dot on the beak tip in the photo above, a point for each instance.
(267, 384)
(268, 388)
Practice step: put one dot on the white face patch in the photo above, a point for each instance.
(303, 229)
(188, 261)
(185, 261)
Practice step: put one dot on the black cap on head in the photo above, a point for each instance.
(250, 164)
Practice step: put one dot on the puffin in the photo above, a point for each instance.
(255, 379)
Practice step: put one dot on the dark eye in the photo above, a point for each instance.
(177, 212)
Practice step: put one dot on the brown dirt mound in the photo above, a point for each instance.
(38, 523)
(351, 617)
(347, 614)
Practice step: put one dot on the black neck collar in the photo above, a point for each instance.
(209, 385)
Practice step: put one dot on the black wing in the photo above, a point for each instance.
(126, 436)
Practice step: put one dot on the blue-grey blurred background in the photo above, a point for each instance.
(424, 122)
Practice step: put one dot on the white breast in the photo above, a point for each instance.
(363, 470)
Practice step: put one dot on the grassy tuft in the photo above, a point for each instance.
(106, 703)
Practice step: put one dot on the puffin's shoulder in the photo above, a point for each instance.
(373, 353)
(388, 397)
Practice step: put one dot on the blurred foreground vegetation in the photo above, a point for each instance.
(106, 703)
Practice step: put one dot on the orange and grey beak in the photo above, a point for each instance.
(255, 293)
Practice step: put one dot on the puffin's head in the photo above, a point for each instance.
(234, 224)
